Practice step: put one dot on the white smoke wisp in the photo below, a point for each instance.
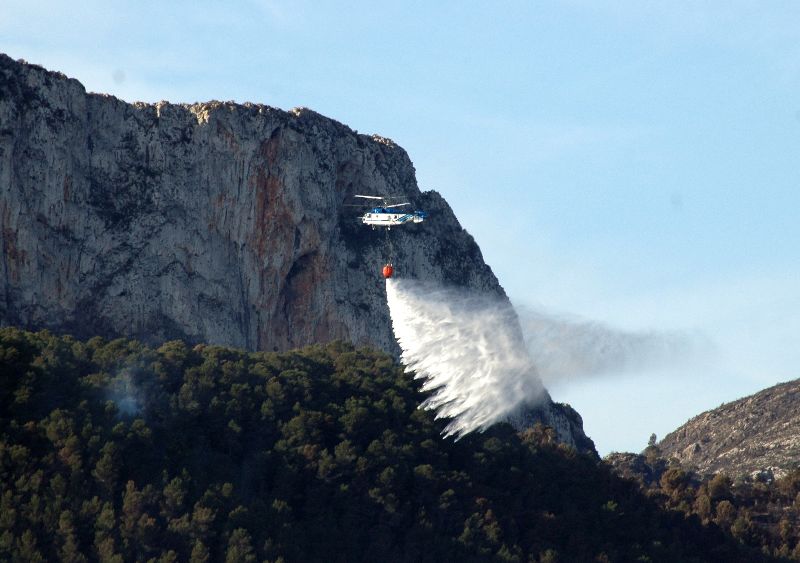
(125, 394)
(468, 350)
(568, 348)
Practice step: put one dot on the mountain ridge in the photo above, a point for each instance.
(755, 436)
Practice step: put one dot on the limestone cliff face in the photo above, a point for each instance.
(214, 222)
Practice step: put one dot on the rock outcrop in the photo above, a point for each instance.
(562, 418)
(757, 436)
(647, 470)
(216, 222)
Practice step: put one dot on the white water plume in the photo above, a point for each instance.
(468, 349)
(569, 348)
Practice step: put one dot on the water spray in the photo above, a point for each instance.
(467, 348)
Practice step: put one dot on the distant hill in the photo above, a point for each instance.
(756, 434)
(114, 451)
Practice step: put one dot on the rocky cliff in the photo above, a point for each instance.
(758, 435)
(214, 222)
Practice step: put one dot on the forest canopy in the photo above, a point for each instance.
(114, 451)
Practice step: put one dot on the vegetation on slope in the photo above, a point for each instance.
(762, 512)
(114, 451)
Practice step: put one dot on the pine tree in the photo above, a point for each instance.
(199, 553)
(70, 552)
(106, 470)
(240, 547)
(27, 549)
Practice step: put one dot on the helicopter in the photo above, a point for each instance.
(387, 215)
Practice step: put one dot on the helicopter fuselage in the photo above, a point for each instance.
(383, 217)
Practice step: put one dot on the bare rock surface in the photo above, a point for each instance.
(562, 418)
(216, 222)
(755, 436)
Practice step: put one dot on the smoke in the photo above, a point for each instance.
(125, 393)
(566, 349)
(468, 350)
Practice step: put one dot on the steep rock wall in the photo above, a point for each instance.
(211, 222)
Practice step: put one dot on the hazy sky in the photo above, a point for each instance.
(628, 163)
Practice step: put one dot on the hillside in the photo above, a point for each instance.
(761, 512)
(116, 451)
(752, 435)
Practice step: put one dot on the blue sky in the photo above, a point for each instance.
(631, 163)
